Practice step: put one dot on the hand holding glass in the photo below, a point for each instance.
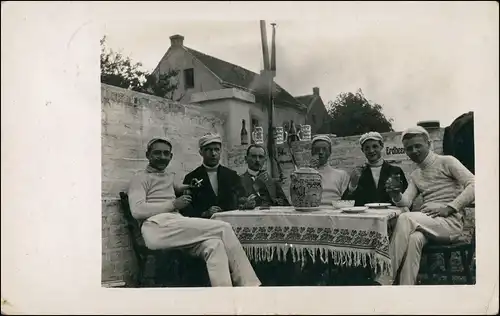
(354, 177)
(393, 185)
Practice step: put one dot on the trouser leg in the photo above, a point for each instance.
(186, 232)
(214, 254)
(399, 241)
(438, 228)
(241, 270)
(411, 264)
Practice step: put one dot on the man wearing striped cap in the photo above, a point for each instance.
(367, 184)
(446, 186)
(154, 205)
(334, 181)
(220, 187)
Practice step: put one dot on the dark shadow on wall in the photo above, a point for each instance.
(458, 140)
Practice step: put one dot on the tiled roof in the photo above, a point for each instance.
(305, 99)
(244, 78)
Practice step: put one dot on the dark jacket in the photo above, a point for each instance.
(271, 193)
(367, 192)
(230, 190)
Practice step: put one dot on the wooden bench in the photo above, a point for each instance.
(172, 267)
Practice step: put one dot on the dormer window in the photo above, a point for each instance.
(188, 78)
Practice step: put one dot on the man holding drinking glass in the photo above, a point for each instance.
(367, 181)
(260, 188)
(446, 186)
(334, 181)
(153, 203)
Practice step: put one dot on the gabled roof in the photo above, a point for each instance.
(306, 99)
(309, 100)
(237, 76)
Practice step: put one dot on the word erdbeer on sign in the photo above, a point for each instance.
(394, 150)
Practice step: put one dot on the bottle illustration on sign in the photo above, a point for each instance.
(292, 133)
(244, 133)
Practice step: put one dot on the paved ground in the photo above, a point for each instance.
(288, 274)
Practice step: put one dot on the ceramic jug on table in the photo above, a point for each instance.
(305, 188)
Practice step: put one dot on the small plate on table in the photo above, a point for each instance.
(378, 205)
(354, 209)
(308, 209)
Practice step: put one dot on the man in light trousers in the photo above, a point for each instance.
(446, 186)
(153, 203)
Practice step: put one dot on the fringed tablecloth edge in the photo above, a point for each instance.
(339, 255)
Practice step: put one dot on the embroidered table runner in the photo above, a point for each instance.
(348, 239)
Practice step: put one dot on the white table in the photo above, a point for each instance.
(347, 239)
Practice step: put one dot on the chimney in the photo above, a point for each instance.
(177, 40)
(316, 91)
(429, 125)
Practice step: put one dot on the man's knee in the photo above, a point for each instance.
(223, 225)
(406, 216)
(149, 235)
(404, 220)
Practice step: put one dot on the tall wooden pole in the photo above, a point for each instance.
(273, 51)
(268, 90)
(265, 50)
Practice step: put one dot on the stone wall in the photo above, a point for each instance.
(129, 120)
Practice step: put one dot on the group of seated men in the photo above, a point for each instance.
(175, 213)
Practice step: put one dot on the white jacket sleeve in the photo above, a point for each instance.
(408, 196)
(139, 207)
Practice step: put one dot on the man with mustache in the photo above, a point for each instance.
(220, 188)
(258, 185)
(154, 205)
(446, 186)
(334, 181)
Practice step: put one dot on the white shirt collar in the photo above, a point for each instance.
(252, 172)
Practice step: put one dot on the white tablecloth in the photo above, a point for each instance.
(347, 239)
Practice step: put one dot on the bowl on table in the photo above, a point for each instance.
(342, 204)
(354, 209)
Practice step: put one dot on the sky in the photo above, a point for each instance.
(418, 61)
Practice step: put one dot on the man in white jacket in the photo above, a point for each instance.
(153, 203)
(447, 187)
(334, 181)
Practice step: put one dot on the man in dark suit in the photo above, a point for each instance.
(367, 182)
(219, 188)
(257, 183)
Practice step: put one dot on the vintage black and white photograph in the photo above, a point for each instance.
(250, 158)
(239, 154)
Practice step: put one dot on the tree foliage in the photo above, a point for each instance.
(121, 71)
(164, 86)
(353, 114)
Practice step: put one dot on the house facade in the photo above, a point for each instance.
(235, 92)
(316, 115)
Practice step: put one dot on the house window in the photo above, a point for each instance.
(188, 78)
(255, 122)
